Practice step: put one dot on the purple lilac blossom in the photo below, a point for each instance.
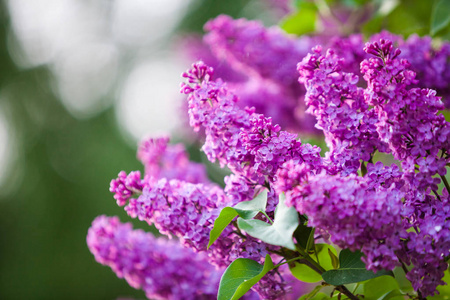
(389, 214)
(248, 143)
(187, 211)
(429, 244)
(184, 210)
(160, 267)
(268, 58)
(418, 136)
(363, 219)
(405, 119)
(239, 43)
(250, 47)
(169, 161)
(408, 119)
(126, 186)
(334, 98)
(430, 62)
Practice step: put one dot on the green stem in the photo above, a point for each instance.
(238, 231)
(264, 213)
(447, 186)
(287, 261)
(319, 269)
(356, 287)
(363, 169)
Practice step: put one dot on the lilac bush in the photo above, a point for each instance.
(284, 202)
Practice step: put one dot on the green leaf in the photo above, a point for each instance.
(334, 259)
(444, 290)
(258, 204)
(395, 294)
(351, 270)
(404, 284)
(349, 259)
(440, 16)
(311, 240)
(302, 234)
(406, 17)
(301, 22)
(240, 276)
(304, 273)
(246, 210)
(314, 294)
(280, 232)
(379, 287)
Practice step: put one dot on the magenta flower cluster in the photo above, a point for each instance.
(366, 100)
(186, 210)
(145, 263)
(259, 64)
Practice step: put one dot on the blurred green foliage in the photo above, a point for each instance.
(403, 17)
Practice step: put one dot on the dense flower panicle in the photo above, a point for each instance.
(126, 186)
(408, 119)
(162, 268)
(212, 107)
(363, 219)
(380, 176)
(429, 243)
(250, 47)
(248, 143)
(188, 211)
(334, 98)
(430, 62)
(267, 57)
(179, 208)
(349, 49)
(369, 220)
(162, 160)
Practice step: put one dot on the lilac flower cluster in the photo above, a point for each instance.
(334, 98)
(363, 219)
(163, 161)
(427, 246)
(259, 65)
(248, 143)
(397, 216)
(126, 186)
(428, 61)
(145, 263)
(408, 119)
(267, 58)
(187, 210)
(404, 122)
(418, 136)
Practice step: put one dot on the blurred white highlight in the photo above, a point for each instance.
(89, 44)
(150, 100)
